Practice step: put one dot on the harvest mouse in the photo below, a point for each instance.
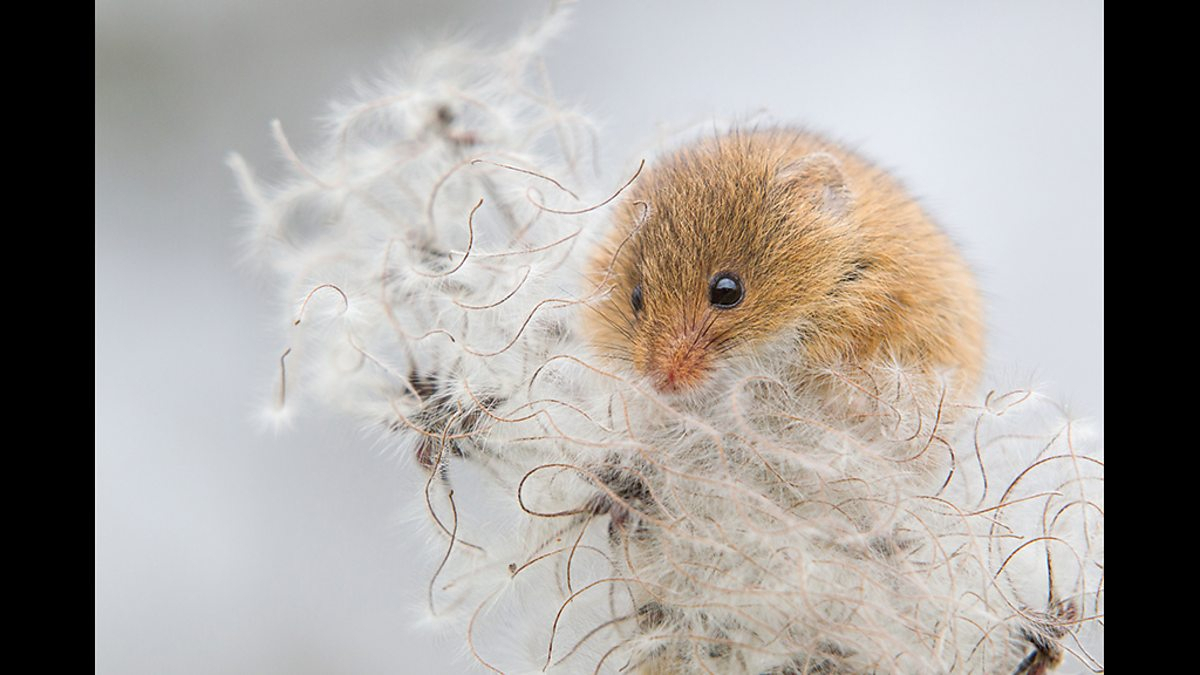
(779, 243)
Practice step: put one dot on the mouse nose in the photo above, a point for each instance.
(679, 363)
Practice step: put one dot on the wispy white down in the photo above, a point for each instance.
(430, 253)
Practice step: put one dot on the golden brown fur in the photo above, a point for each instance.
(834, 257)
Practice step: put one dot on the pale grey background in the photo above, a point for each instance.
(220, 549)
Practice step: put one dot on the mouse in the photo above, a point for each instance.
(779, 243)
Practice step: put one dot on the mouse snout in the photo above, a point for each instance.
(678, 362)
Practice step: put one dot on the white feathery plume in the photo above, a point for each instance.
(431, 251)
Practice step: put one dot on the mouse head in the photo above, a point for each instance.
(723, 247)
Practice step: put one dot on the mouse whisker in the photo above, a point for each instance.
(626, 331)
(723, 342)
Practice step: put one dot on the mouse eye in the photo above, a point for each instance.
(725, 290)
(636, 299)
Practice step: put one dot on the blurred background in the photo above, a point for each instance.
(222, 548)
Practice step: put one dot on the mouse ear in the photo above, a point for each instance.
(817, 178)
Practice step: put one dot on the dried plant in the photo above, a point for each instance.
(432, 252)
